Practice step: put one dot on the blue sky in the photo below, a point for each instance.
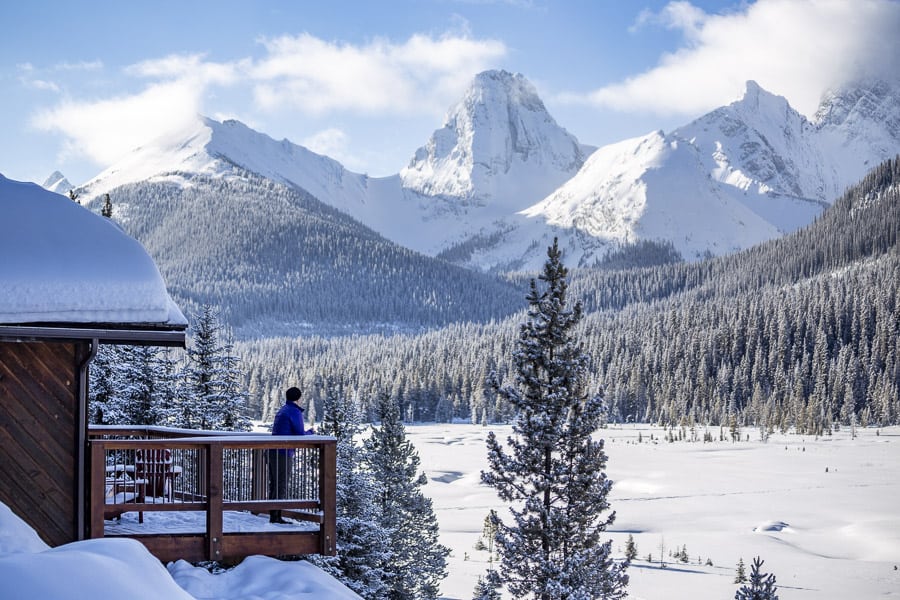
(367, 82)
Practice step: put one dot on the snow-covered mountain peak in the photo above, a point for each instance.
(208, 147)
(58, 183)
(866, 99)
(858, 126)
(498, 147)
(758, 144)
(757, 100)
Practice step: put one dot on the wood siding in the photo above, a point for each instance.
(38, 435)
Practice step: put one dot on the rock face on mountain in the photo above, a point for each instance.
(499, 148)
(500, 179)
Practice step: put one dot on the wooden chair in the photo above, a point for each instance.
(156, 467)
(121, 489)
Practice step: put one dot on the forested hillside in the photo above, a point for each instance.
(277, 261)
(800, 332)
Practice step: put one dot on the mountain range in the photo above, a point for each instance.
(493, 186)
(288, 241)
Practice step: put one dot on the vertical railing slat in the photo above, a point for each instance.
(214, 482)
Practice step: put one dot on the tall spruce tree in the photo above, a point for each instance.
(418, 561)
(362, 542)
(214, 397)
(552, 473)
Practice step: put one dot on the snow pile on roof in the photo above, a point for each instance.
(114, 568)
(64, 264)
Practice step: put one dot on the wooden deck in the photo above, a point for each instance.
(214, 473)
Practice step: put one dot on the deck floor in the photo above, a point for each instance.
(195, 522)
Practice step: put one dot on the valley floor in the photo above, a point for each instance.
(823, 513)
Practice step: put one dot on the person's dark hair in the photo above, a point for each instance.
(293, 394)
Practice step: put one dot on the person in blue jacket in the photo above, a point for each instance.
(288, 421)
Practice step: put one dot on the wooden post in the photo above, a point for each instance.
(214, 526)
(328, 497)
(97, 493)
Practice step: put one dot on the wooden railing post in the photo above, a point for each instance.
(97, 489)
(214, 480)
(328, 497)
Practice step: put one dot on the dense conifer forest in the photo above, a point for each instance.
(277, 261)
(799, 332)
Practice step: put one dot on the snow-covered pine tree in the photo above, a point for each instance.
(740, 574)
(418, 560)
(362, 543)
(631, 550)
(214, 397)
(552, 473)
(169, 389)
(761, 586)
(104, 401)
(488, 587)
(136, 377)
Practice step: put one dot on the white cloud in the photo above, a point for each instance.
(420, 75)
(188, 67)
(297, 73)
(41, 84)
(794, 48)
(93, 65)
(334, 143)
(105, 130)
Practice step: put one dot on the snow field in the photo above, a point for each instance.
(825, 534)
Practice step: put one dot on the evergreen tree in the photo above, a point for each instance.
(104, 403)
(136, 374)
(740, 576)
(418, 560)
(488, 587)
(107, 209)
(553, 473)
(631, 550)
(761, 587)
(362, 542)
(214, 396)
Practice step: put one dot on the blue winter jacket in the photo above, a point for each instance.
(289, 420)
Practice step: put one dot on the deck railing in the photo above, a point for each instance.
(205, 494)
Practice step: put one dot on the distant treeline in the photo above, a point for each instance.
(797, 332)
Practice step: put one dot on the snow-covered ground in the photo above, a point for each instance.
(823, 513)
(116, 568)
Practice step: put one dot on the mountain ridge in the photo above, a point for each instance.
(501, 179)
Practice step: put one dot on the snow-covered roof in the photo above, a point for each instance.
(62, 264)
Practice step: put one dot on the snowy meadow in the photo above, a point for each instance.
(822, 513)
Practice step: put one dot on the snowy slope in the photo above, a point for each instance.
(649, 188)
(740, 175)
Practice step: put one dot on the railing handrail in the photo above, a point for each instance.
(160, 430)
(247, 441)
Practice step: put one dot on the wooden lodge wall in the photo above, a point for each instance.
(39, 435)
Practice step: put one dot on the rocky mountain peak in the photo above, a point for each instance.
(876, 100)
(58, 183)
(499, 131)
